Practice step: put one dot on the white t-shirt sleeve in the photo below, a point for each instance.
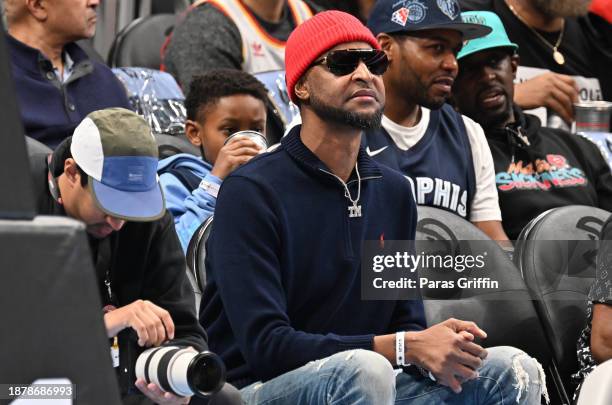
(485, 205)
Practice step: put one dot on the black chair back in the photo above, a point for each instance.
(36, 147)
(139, 43)
(507, 314)
(169, 145)
(196, 253)
(169, 6)
(556, 255)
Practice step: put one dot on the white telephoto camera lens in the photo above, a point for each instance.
(181, 371)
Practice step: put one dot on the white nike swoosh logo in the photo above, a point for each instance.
(376, 152)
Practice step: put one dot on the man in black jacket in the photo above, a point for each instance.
(536, 168)
(557, 45)
(105, 176)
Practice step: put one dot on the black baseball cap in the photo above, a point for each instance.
(392, 16)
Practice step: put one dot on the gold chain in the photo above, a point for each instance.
(557, 56)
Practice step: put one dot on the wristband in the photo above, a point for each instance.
(210, 188)
(400, 358)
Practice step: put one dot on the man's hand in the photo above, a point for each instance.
(155, 394)
(448, 351)
(233, 155)
(153, 324)
(552, 90)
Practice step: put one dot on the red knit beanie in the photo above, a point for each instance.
(317, 35)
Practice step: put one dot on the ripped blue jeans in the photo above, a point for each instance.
(356, 377)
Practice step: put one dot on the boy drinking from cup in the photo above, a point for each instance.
(219, 104)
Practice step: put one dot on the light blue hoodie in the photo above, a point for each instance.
(190, 208)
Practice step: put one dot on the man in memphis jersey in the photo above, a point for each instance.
(443, 154)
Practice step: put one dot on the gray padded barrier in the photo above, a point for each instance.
(50, 309)
(17, 194)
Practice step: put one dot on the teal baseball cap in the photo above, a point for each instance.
(496, 39)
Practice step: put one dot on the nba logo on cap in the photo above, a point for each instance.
(416, 11)
(400, 16)
(391, 16)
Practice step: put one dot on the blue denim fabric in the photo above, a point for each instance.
(356, 377)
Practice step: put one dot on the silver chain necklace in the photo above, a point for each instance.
(354, 209)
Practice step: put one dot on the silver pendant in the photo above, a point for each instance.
(524, 139)
(558, 57)
(354, 211)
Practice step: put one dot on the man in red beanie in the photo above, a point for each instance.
(283, 302)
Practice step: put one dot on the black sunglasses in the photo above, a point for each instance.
(345, 61)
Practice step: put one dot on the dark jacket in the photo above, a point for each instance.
(146, 262)
(50, 109)
(284, 262)
(556, 169)
(587, 50)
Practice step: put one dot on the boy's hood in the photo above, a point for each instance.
(186, 160)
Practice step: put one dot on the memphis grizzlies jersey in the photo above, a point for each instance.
(439, 166)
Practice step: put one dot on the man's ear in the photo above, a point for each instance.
(71, 172)
(386, 43)
(38, 9)
(514, 62)
(301, 89)
(192, 131)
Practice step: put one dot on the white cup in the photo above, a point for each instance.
(255, 136)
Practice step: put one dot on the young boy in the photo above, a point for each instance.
(219, 104)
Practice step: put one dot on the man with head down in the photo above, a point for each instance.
(105, 176)
(283, 302)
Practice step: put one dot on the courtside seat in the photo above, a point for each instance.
(507, 314)
(556, 255)
(37, 151)
(36, 147)
(169, 145)
(139, 43)
(196, 253)
(169, 6)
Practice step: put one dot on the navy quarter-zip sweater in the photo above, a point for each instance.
(50, 109)
(283, 264)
